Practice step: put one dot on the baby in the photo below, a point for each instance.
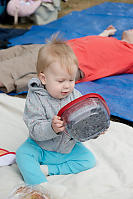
(48, 150)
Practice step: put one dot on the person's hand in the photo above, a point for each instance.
(103, 133)
(57, 124)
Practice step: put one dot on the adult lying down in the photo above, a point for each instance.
(98, 56)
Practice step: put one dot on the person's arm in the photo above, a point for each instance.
(35, 117)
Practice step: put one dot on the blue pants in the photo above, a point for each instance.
(30, 156)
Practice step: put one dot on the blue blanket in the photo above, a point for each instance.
(117, 90)
(91, 21)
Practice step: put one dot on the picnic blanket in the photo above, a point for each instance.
(112, 177)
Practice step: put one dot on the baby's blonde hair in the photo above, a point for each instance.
(56, 50)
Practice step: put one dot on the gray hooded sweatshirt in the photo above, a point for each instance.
(40, 107)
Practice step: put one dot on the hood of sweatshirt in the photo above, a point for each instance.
(36, 86)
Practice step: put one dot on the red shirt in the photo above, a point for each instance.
(102, 56)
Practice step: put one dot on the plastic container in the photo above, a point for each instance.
(27, 192)
(85, 117)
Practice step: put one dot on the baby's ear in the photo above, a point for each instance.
(42, 78)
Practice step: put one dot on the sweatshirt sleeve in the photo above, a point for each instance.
(35, 118)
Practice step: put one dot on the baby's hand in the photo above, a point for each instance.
(57, 124)
(103, 132)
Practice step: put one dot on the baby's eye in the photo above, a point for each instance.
(60, 81)
(71, 80)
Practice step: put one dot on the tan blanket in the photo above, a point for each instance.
(17, 66)
(112, 178)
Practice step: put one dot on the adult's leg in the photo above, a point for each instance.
(127, 36)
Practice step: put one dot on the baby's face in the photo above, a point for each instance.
(58, 82)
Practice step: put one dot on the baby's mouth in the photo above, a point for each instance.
(64, 93)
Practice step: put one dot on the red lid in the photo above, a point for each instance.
(79, 99)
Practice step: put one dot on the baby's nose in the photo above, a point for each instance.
(66, 85)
